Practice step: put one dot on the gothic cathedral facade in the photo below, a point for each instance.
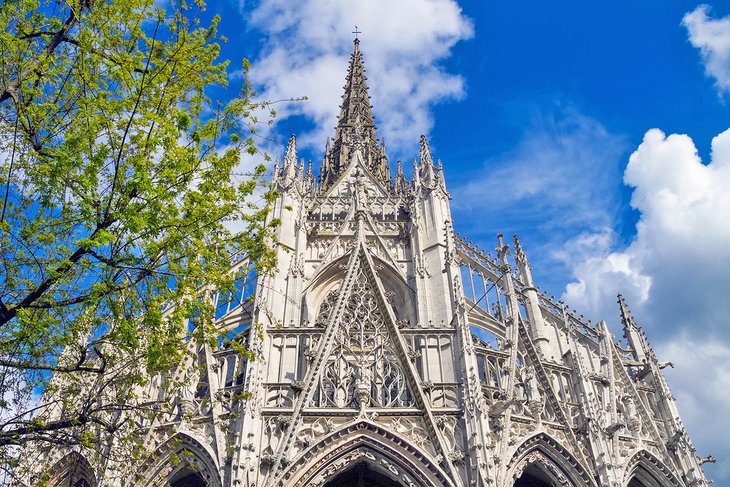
(396, 353)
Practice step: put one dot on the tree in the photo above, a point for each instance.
(119, 186)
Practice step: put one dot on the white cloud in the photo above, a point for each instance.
(678, 265)
(700, 382)
(676, 276)
(558, 189)
(712, 38)
(307, 50)
(565, 161)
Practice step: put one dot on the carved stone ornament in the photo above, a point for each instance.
(296, 267)
(363, 368)
(420, 266)
(545, 464)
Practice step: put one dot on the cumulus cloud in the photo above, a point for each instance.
(712, 38)
(701, 384)
(678, 264)
(307, 49)
(675, 274)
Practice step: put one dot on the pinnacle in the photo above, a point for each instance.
(355, 127)
(427, 169)
(519, 252)
(626, 317)
(289, 168)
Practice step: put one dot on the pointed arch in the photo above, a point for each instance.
(646, 470)
(181, 459)
(546, 454)
(384, 452)
(72, 470)
(329, 277)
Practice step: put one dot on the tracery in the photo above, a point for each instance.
(363, 369)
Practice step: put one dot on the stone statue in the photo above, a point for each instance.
(532, 390)
(188, 390)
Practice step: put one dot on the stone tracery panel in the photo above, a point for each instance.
(363, 367)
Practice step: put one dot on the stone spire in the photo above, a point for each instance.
(427, 169)
(289, 169)
(634, 334)
(355, 127)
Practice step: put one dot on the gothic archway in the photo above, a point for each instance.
(187, 477)
(388, 458)
(646, 470)
(541, 461)
(536, 475)
(329, 278)
(183, 461)
(362, 473)
(72, 470)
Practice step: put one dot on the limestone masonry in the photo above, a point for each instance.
(396, 353)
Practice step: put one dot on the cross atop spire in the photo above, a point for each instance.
(356, 32)
(355, 127)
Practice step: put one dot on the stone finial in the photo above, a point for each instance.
(633, 333)
(416, 173)
(277, 169)
(324, 168)
(289, 169)
(519, 252)
(400, 177)
(300, 170)
(427, 170)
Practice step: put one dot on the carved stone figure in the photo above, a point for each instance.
(188, 390)
(631, 413)
(532, 390)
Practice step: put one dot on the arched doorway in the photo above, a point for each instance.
(72, 471)
(541, 461)
(182, 462)
(643, 478)
(187, 477)
(72, 483)
(391, 461)
(533, 476)
(646, 470)
(361, 475)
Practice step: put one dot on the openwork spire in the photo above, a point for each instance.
(355, 108)
(355, 128)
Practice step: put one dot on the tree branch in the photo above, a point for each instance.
(55, 276)
(10, 90)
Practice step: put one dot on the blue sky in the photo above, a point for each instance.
(554, 120)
